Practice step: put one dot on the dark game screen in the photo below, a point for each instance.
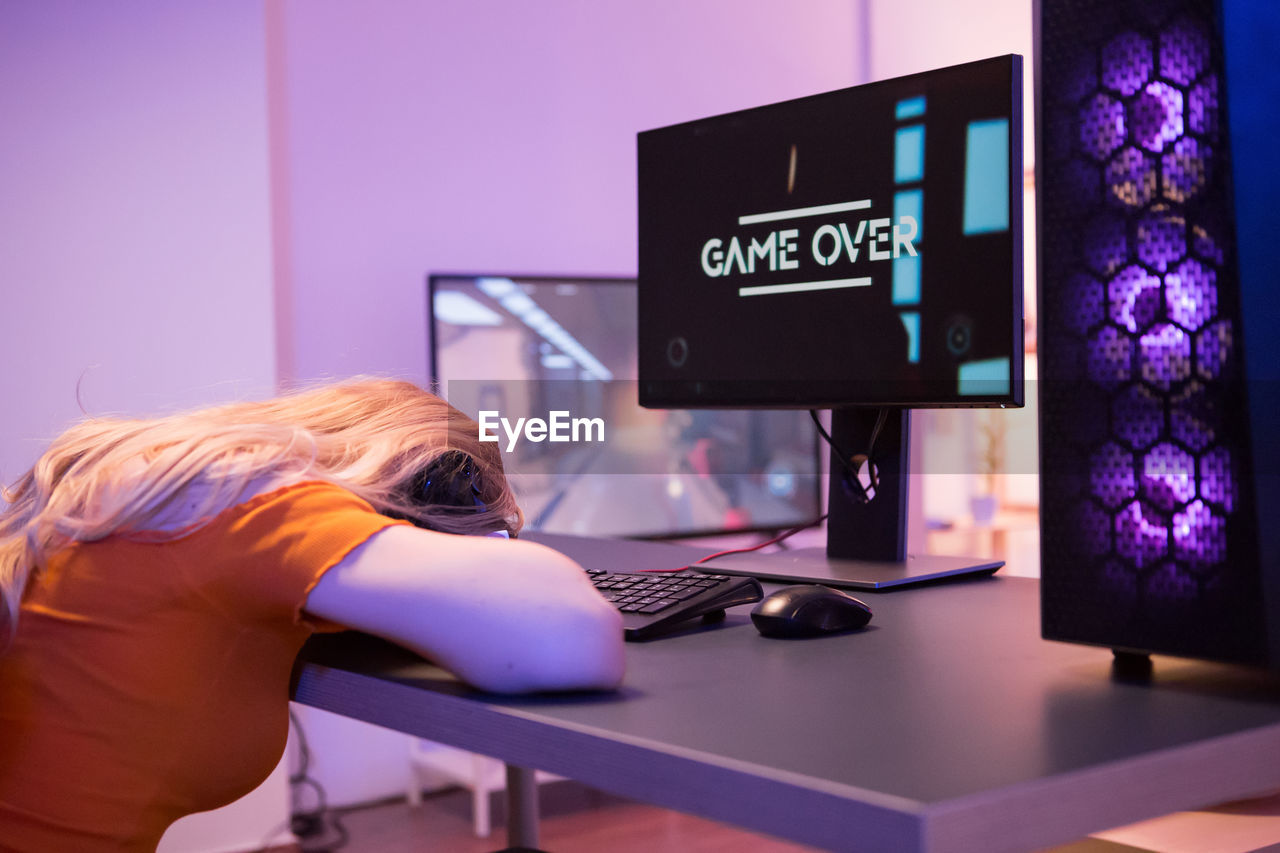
(856, 247)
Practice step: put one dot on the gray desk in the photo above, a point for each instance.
(947, 725)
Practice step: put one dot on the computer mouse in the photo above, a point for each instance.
(809, 610)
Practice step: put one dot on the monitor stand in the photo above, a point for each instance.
(866, 539)
(812, 565)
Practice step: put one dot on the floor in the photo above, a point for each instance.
(574, 819)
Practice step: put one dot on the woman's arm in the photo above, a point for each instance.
(506, 616)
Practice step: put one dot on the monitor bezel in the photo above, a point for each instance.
(797, 393)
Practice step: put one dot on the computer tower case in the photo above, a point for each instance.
(1157, 285)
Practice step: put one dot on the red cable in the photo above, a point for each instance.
(781, 536)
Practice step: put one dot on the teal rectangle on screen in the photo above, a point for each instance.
(911, 322)
(910, 203)
(986, 177)
(909, 108)
(906, 280)
(908, 154)
(989, 377)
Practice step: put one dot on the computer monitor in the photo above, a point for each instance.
(528, 347)
(859, 250)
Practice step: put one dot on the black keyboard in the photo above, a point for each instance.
(652, 603)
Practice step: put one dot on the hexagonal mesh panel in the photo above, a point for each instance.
(1139, 331)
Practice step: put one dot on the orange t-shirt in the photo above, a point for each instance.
(150, 679)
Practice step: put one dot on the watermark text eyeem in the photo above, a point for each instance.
(559, 426)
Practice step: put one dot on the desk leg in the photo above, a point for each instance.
(522, 807)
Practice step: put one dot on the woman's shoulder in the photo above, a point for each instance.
(260, 556)
(198, 506)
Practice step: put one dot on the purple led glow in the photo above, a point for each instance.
(1106, 246)
(1202, 112)
(1184, 52)
(1142, 300)
(1110, 357)
(1131, 178)
(1082, 303)
(1217, 484)
(1213, 350)
(1165, 356)
(1168, 583)
(1133, 298)
(1102, 126)
(1194, 419)
(1113, 480)
(1138, 415)
(1094, 528)
(1191, 292)
(1168, 477)
(1185, 169)
(1126, 63)
(1161, 239)
(1199, 536)
(1156, 116)
(1204, 246)
(1142, 534)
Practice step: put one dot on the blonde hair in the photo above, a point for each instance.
(374, 437)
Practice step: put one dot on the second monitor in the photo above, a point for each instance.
(527, 347)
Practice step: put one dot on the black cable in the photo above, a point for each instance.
(849, 478)
(312, 826)
(304, 751)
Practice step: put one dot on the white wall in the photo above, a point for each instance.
(134, 243)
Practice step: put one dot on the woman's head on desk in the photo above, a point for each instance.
(160, 577)
(405, 451)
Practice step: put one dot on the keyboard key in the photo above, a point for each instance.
(657, 606)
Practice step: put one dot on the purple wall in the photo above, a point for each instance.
(134, 239)
(495, 136)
